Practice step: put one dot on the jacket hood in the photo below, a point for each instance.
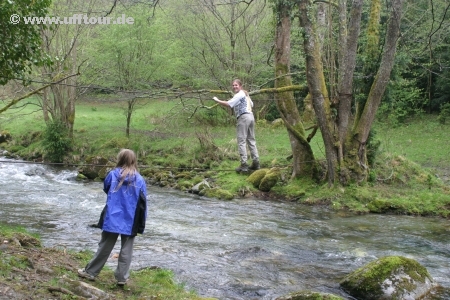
(127, 180)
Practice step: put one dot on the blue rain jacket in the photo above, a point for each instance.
(125, 211)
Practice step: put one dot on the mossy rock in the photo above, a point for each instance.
(163, 175)
(94, 166)
(184, 185)
(308, 295)
(200, 187)
(105, 170)
(147, 172)
(185, 175)
(5, 136)
(391, 277)
(81, 177)
(269, 180)
(256, 177)
(219, 193)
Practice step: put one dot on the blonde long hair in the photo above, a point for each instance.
(127, 162)
(238, 81)
(247, 96)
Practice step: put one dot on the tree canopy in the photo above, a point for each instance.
(20, 48)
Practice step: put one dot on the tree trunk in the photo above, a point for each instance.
(345, 147)
(315, 78)
(357, 138)
(129, 113)
(303, 157)
(347, 49)
(71, 93)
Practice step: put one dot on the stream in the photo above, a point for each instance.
(240, 249)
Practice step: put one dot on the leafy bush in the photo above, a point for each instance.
(402, 100)
(373, 146)
(444, 115)
(56, 141)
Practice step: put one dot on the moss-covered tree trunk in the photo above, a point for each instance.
(357, 137)
(345, 135)
(315, 79)
(348, 46)
(303, 158)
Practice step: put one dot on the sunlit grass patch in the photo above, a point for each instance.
(424, 141)
(151, 283)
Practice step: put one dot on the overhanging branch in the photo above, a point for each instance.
(14, 101)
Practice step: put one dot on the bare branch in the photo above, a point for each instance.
(112, 8)
(14, 101)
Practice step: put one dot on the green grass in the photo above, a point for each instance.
(167, 137)
(423, 140)
(10, 231)
(18, 265)
(157, 283)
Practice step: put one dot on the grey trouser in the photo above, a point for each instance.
(105, 247)
(245, 131)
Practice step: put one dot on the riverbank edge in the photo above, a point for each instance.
(30, 271)
(354, 199)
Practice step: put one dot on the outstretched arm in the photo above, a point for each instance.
(223, 103)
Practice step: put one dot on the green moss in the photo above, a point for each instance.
(105, 170)
(185, 175)
(381, 206)
(184, 184)
(147, 172)
(94, 166)
(308, 295)
(269, 180)
(256, 177)
(219, 193)
(367, 281)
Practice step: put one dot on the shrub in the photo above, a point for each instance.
(402, 100)
(444, 115)
(373, 147)
(56, 141)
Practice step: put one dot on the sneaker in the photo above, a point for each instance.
(82, 273)
(243, 168)
(255, 165)
(121, 283)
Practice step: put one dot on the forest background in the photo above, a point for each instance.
(91, 89)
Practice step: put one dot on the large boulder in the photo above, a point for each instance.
(389, 278)
(96, 167)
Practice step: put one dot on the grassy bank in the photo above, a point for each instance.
(169, 139)
(28, 271)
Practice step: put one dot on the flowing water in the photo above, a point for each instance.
(240, 249)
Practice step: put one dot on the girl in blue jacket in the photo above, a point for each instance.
(125, 213)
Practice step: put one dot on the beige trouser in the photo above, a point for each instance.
(245, 131)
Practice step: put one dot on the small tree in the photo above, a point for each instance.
(128, 58)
